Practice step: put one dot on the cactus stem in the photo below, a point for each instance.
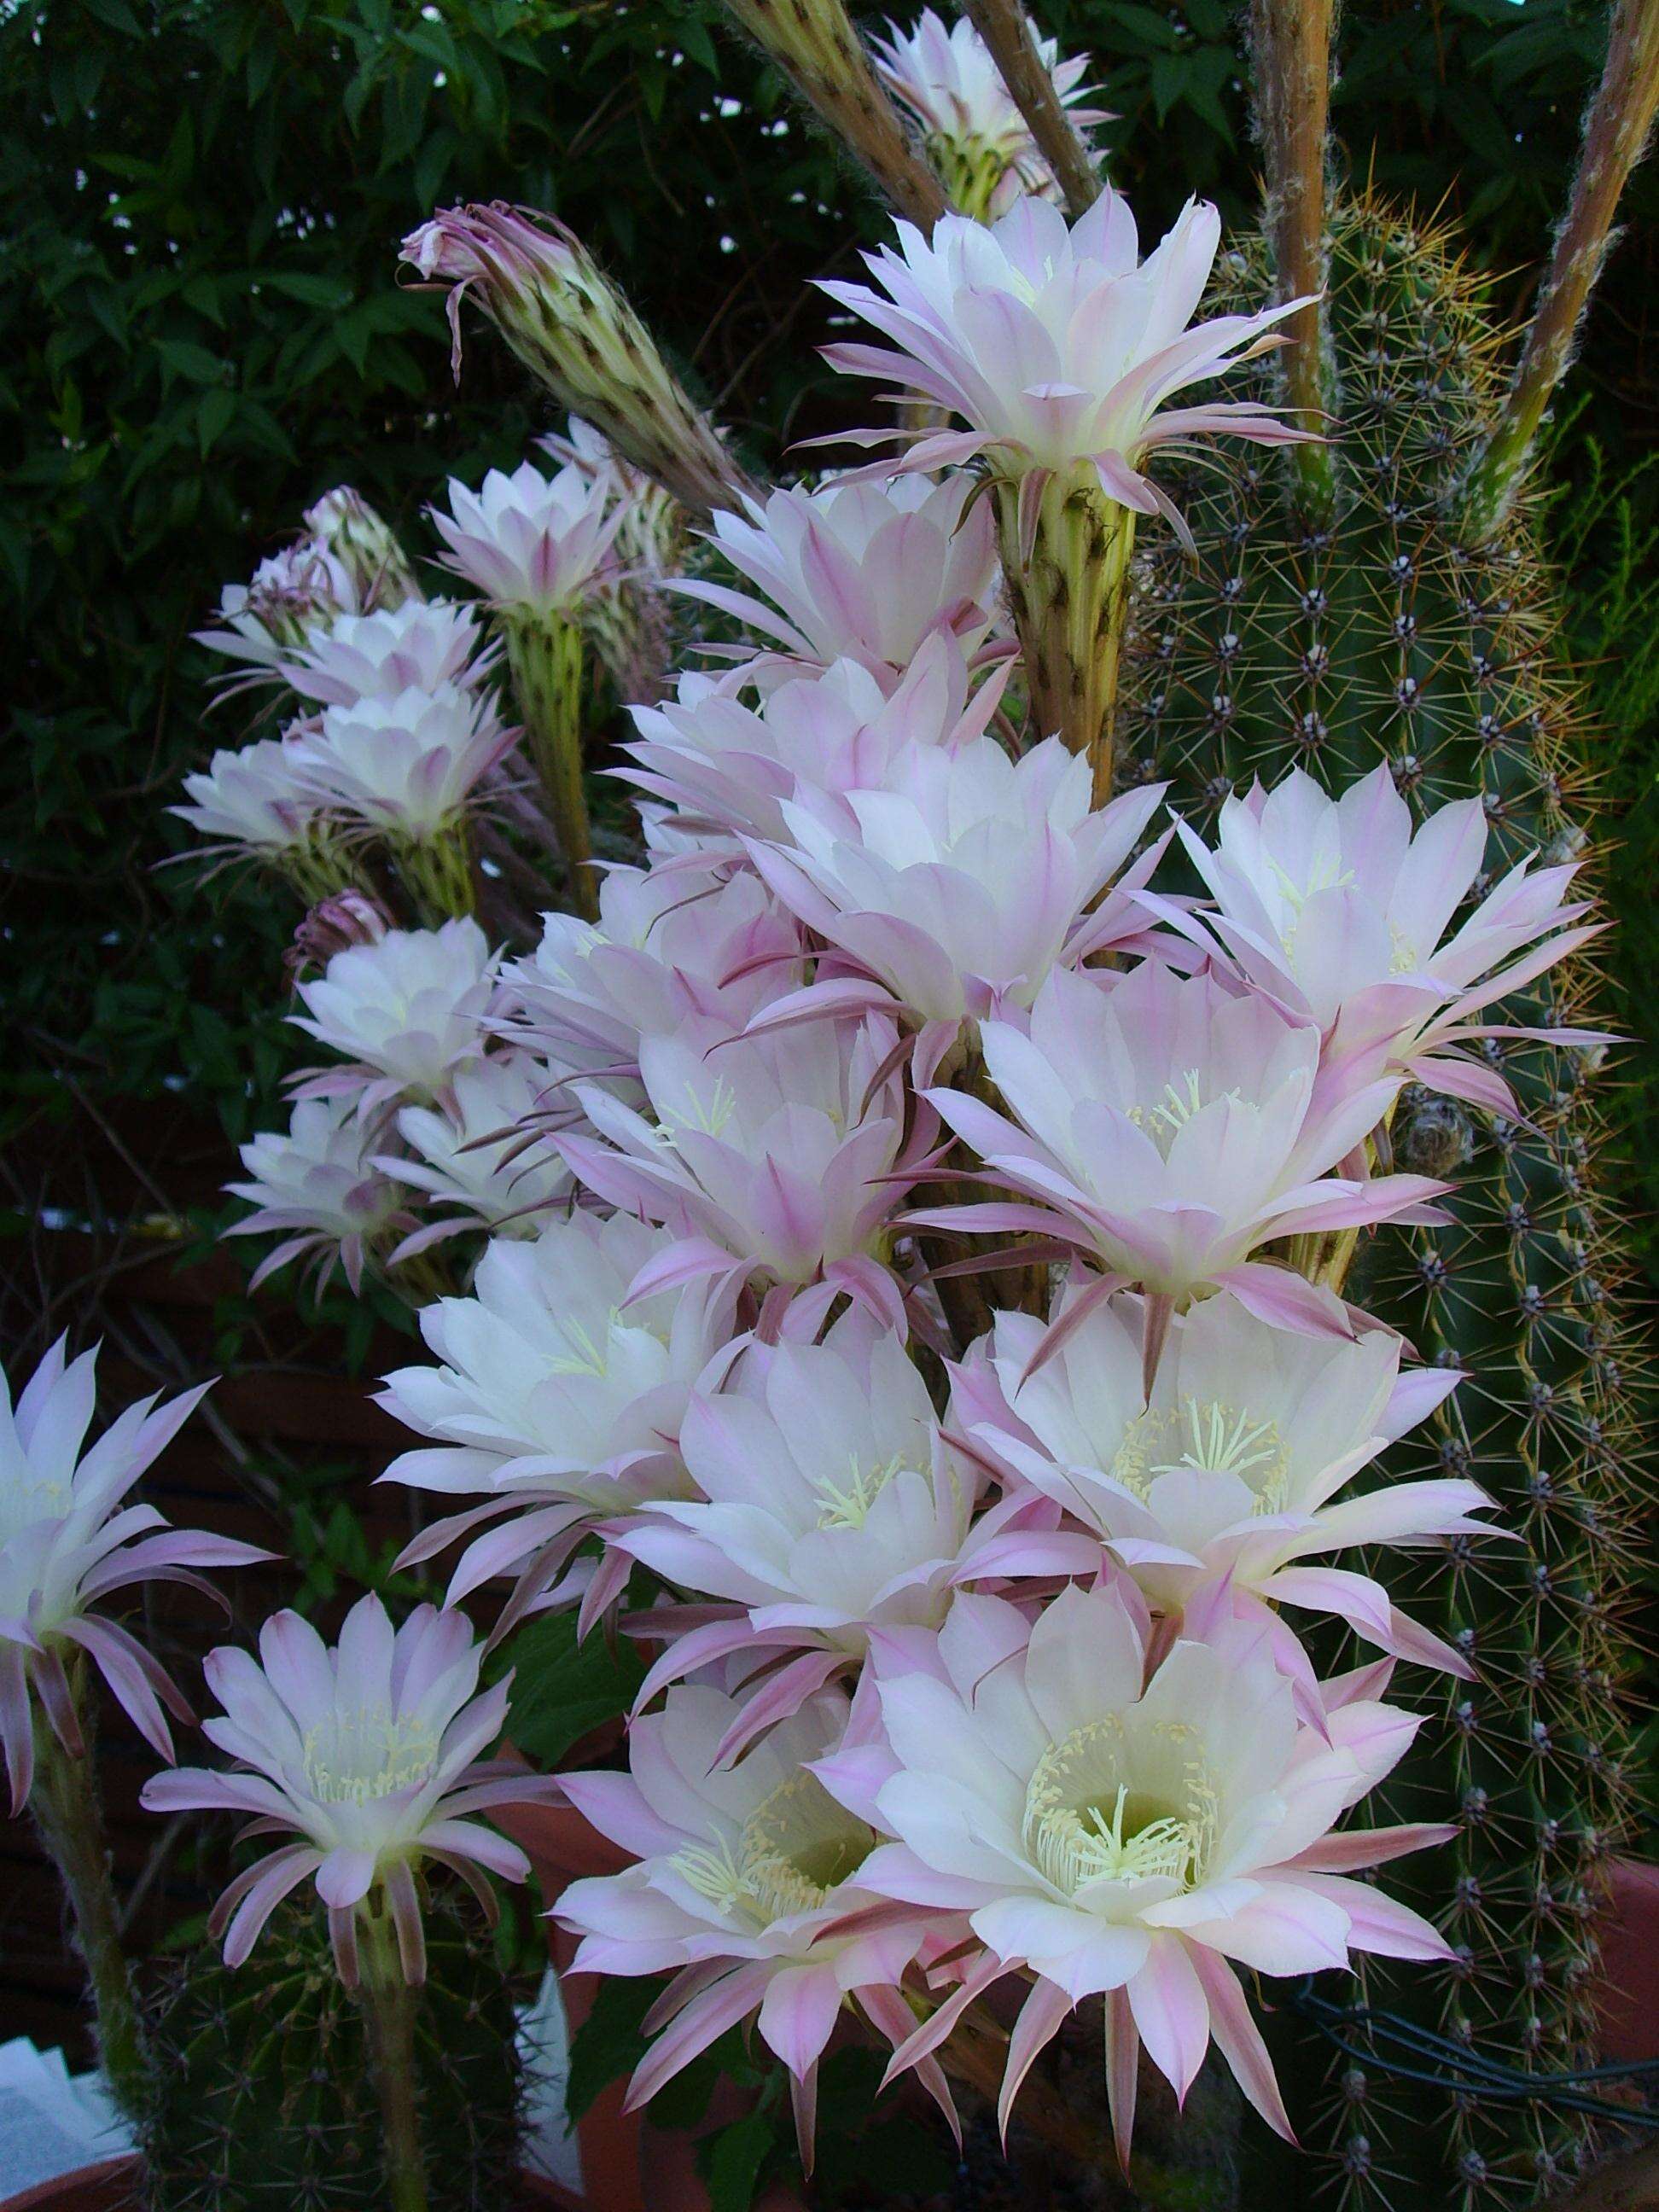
(64, 1803)
(814, 44)
(1069, 585)
(1293, 88)
(545, 653)
(388, 2004)
(1616, 132)
(1006, 30)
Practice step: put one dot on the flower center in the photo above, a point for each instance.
(707, 1117)
(1211, 1437)
(1164, 1119)
(585, 1356)
(354, 1757)
(847, 1505)
(796, 1847)
(36, 1498)
(1088, 1820)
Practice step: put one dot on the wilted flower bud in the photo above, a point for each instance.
(345, 526)
(349, 917)
(569, 324)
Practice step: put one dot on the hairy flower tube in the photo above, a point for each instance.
(366, 1752)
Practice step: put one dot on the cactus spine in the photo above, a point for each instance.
(1326, 642)
(263, 2093)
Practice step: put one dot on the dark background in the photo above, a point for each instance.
(201, 330)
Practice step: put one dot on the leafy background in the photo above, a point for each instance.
(201, 330)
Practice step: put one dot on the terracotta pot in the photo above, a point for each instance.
(621, 2153)
(1629, 1978)
(112, 2187)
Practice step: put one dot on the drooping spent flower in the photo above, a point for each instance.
(68, 1544)
(1139, 1842)
(974, 132)
(558, 1400)
(1228, 1479)
(572, 328)
(366, 1752)
(1059, 350)
(409, 1010)
(317, 1185)
(291, 593)
(864, 572)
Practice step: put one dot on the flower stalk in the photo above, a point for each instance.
(545, 653)
(814, 44)
(1616, 132)
(388, 2006)
(437, 871)
(1292, 80)
(1068, 583)
(1006, 30)
(70, 1824)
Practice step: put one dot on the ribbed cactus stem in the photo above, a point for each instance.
(544, 655)
(1616, 132)
(1067, 571)
(1292, 82)
(814, 44)
(67, 1815)
(1006, 30)
(388, 2004)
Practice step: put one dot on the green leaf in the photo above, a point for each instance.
(214, 417)
(191, 360)
(610, 2043)
(733, 2161)
(562, 1689)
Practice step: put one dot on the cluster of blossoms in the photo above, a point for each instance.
(897, 1243)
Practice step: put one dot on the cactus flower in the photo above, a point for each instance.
(420, 645)
(944, 77)
(408, 1010)
(68, 1543)
(530, 543)
(1139, 1840)
(366, 1752)
(1227, 1481)
(1341, 908)
(407, 764)
(317, 1186)
(864, 572)
(747, 1881)
(484, 1153)
(1170, 1128)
